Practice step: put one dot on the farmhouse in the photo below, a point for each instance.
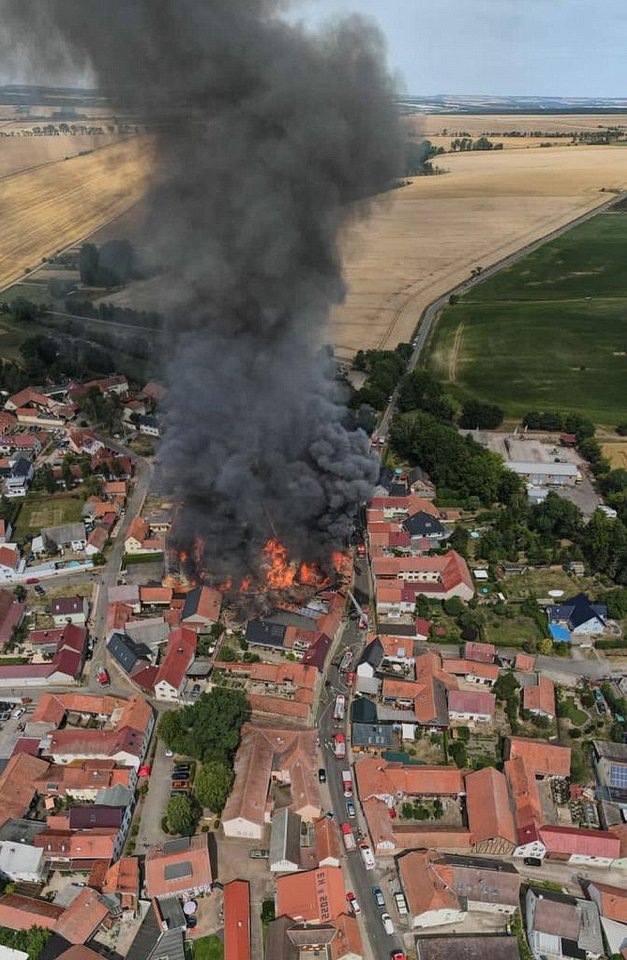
(471, 706)
(179, 868)
(558, 925)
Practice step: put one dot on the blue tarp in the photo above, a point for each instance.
(560, 634)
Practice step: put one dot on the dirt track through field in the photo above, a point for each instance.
(457, 343)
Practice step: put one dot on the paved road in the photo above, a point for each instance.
(425, 321)
(359, 880)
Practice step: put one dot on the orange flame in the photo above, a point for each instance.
(309, 574)
(280, 573)
(183, 556)
(225, 586)
(339, 561)
(245, 585)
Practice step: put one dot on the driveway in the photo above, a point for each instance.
(156, 800)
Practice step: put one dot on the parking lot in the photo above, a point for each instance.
(9, 732)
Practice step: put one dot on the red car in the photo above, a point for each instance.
(397, 955)
(32, 580)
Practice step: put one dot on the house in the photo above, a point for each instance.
(391, 783)
(127, 654)
(22, 862)
(469, 946)
(17, 482)
(70, 536)
(11, 565)
(69, 610)
(149, 425)
(479, 674)
(561, 927)
(76, 922)
(371, 737)
(443, 888)
(312, 896)
(611, 901)
(96, 541)
(265, 633)
(546, 760)
(11, 615)
(578, 615)
(327, 844)
(610, 767)
(490, 818)
(593, 847)
(122, 880)
(540, 698)
(117, 383)
(28, 397)
(285, 842)
(371, 658)
(424, 526)
(336, 940)
(471, 706)
(137, 538)
(84, 441)
(265, 755)
(155, 392)
(179, 655)
(202, 608)
(479, 652)
(179, 868)
(399, 580)
(237, 920)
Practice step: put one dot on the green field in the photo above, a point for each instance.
(47, 511)
(548, 333)
(208, 948)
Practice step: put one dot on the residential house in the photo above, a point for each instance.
(11, 615)
(179, 655)
(17, 482)
(312, 896)
(237, 920)
(371, 658)
(561, 927)
(424, 526)
(122, 880)
(578, 615)
(610, 767)
(546, 760)
(28, 397)
(179, 868)
(469, 946)
(202, 608)
(540, 698)
(479, 652)
(490, 818)
(129, 655)
(11, 565)
(68, 536)
(266, 754)
(471, 706)
(22, 862)
(372, 738)
(149, 425)
(76, 922)
(399, 580)
(285, 842)
(592, 847)
(96, 541)
(479, 674)
(336, 940)
(116, 383)
(69, 610)
(327, 844)
(443, 888)
(612, 905)
(137, 539)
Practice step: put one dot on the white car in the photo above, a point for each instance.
(388, 926)
(354, 903)
(169, 753)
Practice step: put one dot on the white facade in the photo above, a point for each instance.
(165, 691)
(240, 827)
(22, 862)
(438, 918)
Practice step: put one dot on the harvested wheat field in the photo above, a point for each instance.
(475, 124)
(47, 209)
(616, 453)
(24, 153)
(424, 239)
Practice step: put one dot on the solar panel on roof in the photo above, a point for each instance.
(176, 846)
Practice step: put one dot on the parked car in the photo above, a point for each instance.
(259, 854)
(180, 785)
(18, 713)
(169, 753)
(179, 793)
(397, 955)
(322, 775)
(388, 926)
(39, 590)
(350, 809)
(354, 903)
(379, 899)
(532, 861)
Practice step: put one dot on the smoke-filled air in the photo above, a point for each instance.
(268, 135)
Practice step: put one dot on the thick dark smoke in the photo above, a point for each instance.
(269, 134)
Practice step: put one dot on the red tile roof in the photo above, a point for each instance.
(22, 913)
(487, 804)
(612, 900)
(541, 697)
(475, 702)
(460, 667)
(237, 920)
(527, 804)
(82, 917)
(150, 595)
(180, 652)
(327, 841)
(65, 606)
(98, 538)
(9, 558)
(192, 860)
(425, 888)
(17, 784)
(588, 843)
(482, 652)
(138, 530)
(314, 896)
(543, 758)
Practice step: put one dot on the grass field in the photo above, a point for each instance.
(548, 332)
(208, 948)
(509, 633)
(47, 511)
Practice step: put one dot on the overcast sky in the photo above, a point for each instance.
(563, 48)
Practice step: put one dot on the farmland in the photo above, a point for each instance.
(45, 209)
(547, 332)
(24, 153)
(424, 239)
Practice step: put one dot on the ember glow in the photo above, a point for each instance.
(280, 574)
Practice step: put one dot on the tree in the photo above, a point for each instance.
(88, 264)
(423, 607)
(458, 752)
(480, 416)
(506, 686)
(208, 730)
(182, 816)
(213, 785)
(227, 654)
(545, 646)
(31, 941)
(616, 601)
(44, 479)
(20, 593)
(453, 606)
(267, 911)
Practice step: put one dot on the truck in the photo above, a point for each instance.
(339, 746)
(401, 905)
(347, 783)
(102, 676)
(348, 838)
(367, 856)
(338, 712)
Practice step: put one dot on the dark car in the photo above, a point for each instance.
(322, 775)
(379, 899)
(532, 861)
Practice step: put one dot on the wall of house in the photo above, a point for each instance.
(239, 827)
(437, 918)
(503, 908)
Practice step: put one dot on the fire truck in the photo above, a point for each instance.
(339, 746)
(338, 712)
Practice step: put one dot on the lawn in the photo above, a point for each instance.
(208, 948)
(537, 582)
(546, 333)
(509, 633)
(570, 710)
(49, 510)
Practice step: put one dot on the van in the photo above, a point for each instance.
(388, 926)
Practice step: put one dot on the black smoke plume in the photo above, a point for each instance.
(270, 138)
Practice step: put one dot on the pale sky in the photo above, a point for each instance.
(562, 48)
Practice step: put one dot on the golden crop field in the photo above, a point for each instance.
(22, 153)
(49, 208)
(476, 124)
(424, 239)
(616, 453)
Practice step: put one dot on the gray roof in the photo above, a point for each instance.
(126, 652)
(278, 945)
(152, 632)
(65, 533)
(117, 796)
(544, 469)
(16, 857)
(423, 524)
(175, 871)
(372, 654)
(21, 831)
(285, 837)
(370, 685)
(372, 735)
(172, 913)
(605, 749)
(467, 947)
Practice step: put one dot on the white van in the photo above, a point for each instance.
(388, 926)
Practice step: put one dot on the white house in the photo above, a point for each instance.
(69, 610)
(22, 862)
(11, 566)
(471, 706)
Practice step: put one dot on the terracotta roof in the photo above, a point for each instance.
(114, 487)
(138, 530)
(29, 395)
(237, 920)
(78, 844)
(588, 843)
(82, 917)
(380, 826)
(612, 900)
(543, 758)
(440, 838)
(315, 896)
(451, 567)
(462, 667)
(482, 652)
(9, 558)
(524, 662)
(79, 952)
(17, 784)
(98, 538)
(378, 778)
(410, 504)
(202, 603)
(347, 942)
(425, 889)
(541, 697)
(487, 804)
(327, 840)
(149, 595)
(180, 652)
(620, 831)
(21, 913)
(177, 866)
(472, 702)
(527, 804)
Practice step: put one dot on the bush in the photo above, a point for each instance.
(267, 911)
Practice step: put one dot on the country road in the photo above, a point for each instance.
(429, 315)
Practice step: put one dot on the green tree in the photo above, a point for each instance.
(423, 607)
(227, 654)
(267, 911)
(182, 816)
(457, 750)
(480, 416)
(20, 593)
(88, 264)
(210, 728)
(506, 686)
(31, 941)
(213, 785)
